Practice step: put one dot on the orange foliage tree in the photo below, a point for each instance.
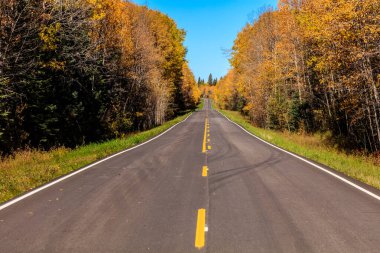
(310, 66)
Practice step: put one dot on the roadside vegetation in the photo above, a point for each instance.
(81, 80)
(316, 147)
(32, 168)
(74, 72)
(200, 105)
(310, 66)
(307, 77)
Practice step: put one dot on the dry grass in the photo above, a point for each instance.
(315, 147)
(30, 169)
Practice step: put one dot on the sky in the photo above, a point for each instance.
(211, 27)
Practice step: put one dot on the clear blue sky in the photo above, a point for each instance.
(211, 27)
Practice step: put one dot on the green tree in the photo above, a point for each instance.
(67, 66)
(210, 79)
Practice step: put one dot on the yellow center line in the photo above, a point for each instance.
(204, 171)
(205, 137)
(209, 147)
(200, 231)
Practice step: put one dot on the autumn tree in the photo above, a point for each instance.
(74, 72)
(190, 89)
(308, 66)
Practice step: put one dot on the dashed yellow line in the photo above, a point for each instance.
(204, 171)
(204, 148)
(209, 147)
(200, 231)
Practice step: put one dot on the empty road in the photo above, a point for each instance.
(204, 186)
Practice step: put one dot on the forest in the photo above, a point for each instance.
(310, 66)
(74, 72)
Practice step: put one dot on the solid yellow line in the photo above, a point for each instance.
(204, 137)
(200, 231)
(204, 171)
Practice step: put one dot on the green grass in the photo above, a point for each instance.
(200, 106)
(30, 169)
(361, 167)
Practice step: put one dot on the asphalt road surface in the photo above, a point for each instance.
(161, 197)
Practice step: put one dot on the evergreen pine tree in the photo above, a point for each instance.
(210, 80)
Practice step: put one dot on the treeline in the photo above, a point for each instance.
(310, 65)
(211, 81)
(79, 71)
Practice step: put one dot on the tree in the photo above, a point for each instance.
(67, 66)
(190, 89)
(310, 65)
(210, 79)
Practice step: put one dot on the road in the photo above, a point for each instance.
(204, 186)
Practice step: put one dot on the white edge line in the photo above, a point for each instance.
(38, 189)
(311, 163)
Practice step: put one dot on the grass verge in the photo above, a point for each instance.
(201, 104)
(30, 169)
(360, 167)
